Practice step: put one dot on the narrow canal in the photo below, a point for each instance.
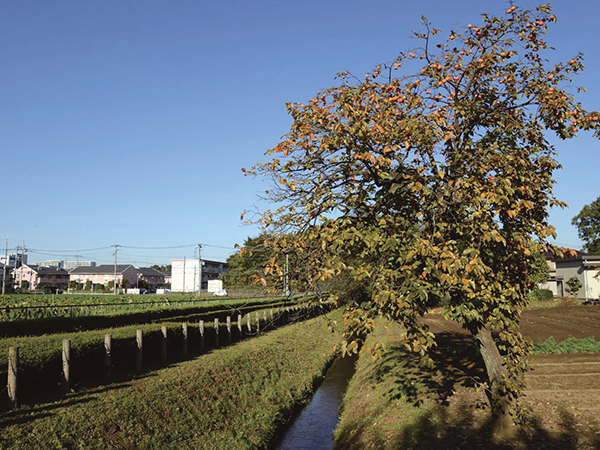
(313, 427)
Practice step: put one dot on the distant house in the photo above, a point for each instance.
(104, 273)
(555, 282)
(40, 278)
(152, 278)
(584, 267)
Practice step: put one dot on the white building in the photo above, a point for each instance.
(186, 274)
(13, 260)
(50, 263)
(74, 264)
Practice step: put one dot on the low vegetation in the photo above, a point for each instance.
(40, 357)
(236, 397)
(90, 317)
(34, 307)
(569, 345)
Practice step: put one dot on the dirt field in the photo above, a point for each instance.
(563, 391)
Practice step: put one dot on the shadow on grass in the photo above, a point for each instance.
(28, 414)
(456, 362)
(439, 408)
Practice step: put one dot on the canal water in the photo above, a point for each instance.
(313, 427)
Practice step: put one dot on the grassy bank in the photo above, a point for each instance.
(231, 398)
(393, 403)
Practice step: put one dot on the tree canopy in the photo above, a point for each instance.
(247, 266)
(588, 226)
(429, 179)
(262, 263)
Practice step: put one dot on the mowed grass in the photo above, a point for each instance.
(394, 403)
(232, 398)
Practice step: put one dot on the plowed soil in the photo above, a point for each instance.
(562, 390)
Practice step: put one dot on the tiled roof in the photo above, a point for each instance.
(149, 272)
(578, 256)
(43, 270)
(102, 269)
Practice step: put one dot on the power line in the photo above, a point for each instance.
(158, 248)
(37, 250)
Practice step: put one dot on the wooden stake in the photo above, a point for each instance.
(164, 341)
(66, 365)
(139, 352)
(13, 370)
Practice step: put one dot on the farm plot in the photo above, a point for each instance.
(561, 322)
(563, 390)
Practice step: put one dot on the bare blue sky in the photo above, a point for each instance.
(127, 122)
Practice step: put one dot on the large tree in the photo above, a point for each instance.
(247, 266)
(588, 226)
(264, 262)
(430, 179)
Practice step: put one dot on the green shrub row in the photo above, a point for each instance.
(32, 300)
(40, 357)
(569, 345)
(65, 324)
(237, 397)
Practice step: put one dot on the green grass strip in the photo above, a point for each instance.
(569, 345)
(235, 397)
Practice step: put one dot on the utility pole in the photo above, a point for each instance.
(115, 271)
(4, 268)
(183, 289)
(199, 268)
(19, 261)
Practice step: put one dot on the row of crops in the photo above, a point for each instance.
(28, 307)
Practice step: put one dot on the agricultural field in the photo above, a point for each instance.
(40, 306)
(393, 404)
(234, 397)
(175, 331)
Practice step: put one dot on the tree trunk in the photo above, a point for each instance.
(502, 423)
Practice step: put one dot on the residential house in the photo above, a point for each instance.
(40, 278)
(187, 275)
(555, 282)
(151, 278)
(584, 267)
(105, 273)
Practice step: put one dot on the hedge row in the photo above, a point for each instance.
(236, 397)
(51, 325)
(40, 357)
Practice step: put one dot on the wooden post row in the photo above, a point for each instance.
(13, 359)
